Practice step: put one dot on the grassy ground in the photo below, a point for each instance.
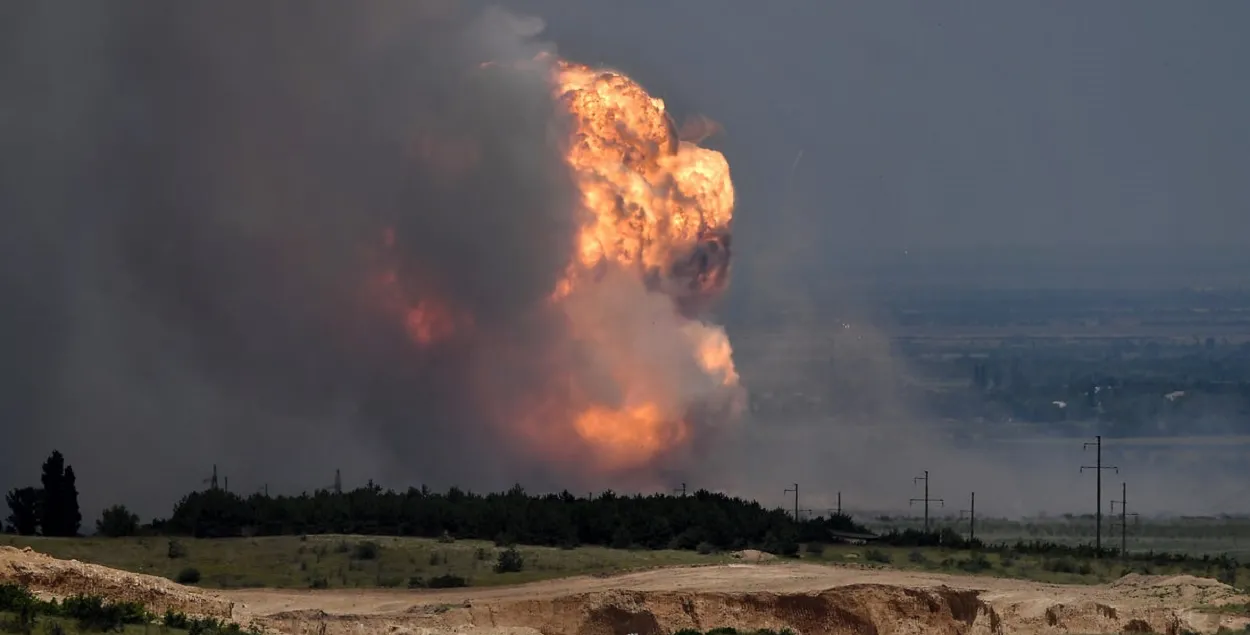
(1060, 570)
(45, 624)
(339, 561)
(342, 562)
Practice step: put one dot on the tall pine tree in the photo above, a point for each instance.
(73, 516)
(61, 516)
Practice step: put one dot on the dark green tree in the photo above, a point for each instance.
(117, 522)
(25, 506)
(61, 516)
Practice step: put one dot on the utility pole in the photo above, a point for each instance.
(212, 480)
(796, 500)
(338, 482)
(682, 490)
(1123, 518)
(1098, 467)
(972, 517)
(839, 503)
(926, 500)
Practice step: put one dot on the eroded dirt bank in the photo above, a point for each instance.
(810, 599)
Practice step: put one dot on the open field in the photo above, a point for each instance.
(337, 562)
(807, 598)
(294, 562)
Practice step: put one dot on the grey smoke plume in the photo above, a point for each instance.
(192, 200)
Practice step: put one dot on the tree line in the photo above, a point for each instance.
(700, 520)
(52, 509)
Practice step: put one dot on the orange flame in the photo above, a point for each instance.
(650, 200)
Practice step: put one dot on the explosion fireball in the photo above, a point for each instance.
(641, 374)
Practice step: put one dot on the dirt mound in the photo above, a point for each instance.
(50, 577)
(1183, 589)
(858, 609)
(753, 555)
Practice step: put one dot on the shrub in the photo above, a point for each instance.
(706, 548)
(13, 598)
(1060, 565)
(95, 614)
(446, 538)
(448, 581)
(366, 550)
(176, 550)
(510, 561)
(917, 557)
(877, 555)
(117, 522)
(189, 575)
(816, 549)
(342, 547)
(175, 620)
(416, 582)
(976, 564)
(319, 582)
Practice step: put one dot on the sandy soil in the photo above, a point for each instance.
(810, 599)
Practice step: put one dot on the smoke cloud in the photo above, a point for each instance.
(194, 200)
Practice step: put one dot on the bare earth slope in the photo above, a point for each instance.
(811, 599)
(50, 577)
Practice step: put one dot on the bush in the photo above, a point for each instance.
(917, 557)
(510, 561)
(448, 581)
(176, 550)
(877, 555)
(95, 614)
(117, 522)
(1060, 565)
(175, 620)
(189, 575)
(976, 564)
(319, 582)
(816, 549)
(14, 598)
(366, 550)
(706, 548)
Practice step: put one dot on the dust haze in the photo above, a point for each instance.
(192, 197)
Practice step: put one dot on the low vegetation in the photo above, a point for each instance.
(22, 612)
(335, 561)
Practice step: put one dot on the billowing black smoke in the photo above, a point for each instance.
(193, 199)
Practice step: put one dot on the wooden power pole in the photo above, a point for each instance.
(972, 517)
(1097, 467)
(796, 500)
(1123, 518)
(926, 500)
(682, 490)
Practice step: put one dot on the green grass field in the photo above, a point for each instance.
(349, 561)
(340, 562)
(1053, 569)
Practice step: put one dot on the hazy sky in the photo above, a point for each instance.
(182, 194)
(957, 124)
